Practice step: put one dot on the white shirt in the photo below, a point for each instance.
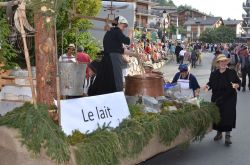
(182, 52)
(65, 58)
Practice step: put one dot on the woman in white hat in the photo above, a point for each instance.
(111, 66)
(224, 83)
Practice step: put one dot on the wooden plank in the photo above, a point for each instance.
(17, 101)
(16, 85)
(94, 18)
(27, 56)
(7, 77)
(5, 4)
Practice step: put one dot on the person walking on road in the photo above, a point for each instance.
(178, 49)
(194, 57)
(234, 60)
(181, 56)
(245, 68)
(224, 84)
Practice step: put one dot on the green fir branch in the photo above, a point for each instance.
(38, 130)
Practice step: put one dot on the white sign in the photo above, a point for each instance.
(85, 114)
(178, 36)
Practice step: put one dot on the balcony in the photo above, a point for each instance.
(152, 2)
(145, 12)
(245, 16)
(246, 26)
(245, 36)
(246, 5)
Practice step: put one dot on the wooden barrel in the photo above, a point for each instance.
(147, 85)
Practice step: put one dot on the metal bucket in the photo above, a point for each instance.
(147, 85)
(71, 78)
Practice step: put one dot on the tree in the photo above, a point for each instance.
(184, 7)
(7, 52)
(208, 36)
(165, 2)
(75, 29)
(171, 30)
(182, 30)
(45, 42)
(222, 34)
(171, 3)
(225, 34)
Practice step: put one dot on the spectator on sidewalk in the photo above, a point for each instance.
(90, 85)
(83, 57)
(69, 56)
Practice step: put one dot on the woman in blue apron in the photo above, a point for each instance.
(187, 81)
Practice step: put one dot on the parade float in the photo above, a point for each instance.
(136, 139)
(35, 133)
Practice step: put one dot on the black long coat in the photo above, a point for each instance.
(225, 97)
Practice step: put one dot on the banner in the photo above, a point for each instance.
(85, 114)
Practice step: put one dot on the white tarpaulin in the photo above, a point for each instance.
(85, 114)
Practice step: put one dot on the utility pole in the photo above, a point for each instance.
(177, 28)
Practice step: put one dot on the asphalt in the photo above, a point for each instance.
(208, 152)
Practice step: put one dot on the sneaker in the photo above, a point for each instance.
(243, 89)
(218, 137)
(228, 140)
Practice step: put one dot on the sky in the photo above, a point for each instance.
(223, 8)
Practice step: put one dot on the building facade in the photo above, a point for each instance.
(144, 14)
(235, 25)
(185, 15)
(246, 21)
(195, 26)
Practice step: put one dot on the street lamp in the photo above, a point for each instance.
(198, 29)
(164, 15)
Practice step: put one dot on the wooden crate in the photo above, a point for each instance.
(5, 78)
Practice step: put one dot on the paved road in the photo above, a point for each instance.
(208, 152)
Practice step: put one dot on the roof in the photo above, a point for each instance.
(203, 21)
(164, 7)
(193, 10)
(232, 22)
(121, 0)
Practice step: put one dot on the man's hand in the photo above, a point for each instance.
(197, 92)
(205, 88)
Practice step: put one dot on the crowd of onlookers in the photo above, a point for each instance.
(239, 57)
(181, 52)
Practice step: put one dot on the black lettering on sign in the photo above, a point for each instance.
(97, 113)
(91, 114)
(102, 114)
(84, 117)
(108, 109)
